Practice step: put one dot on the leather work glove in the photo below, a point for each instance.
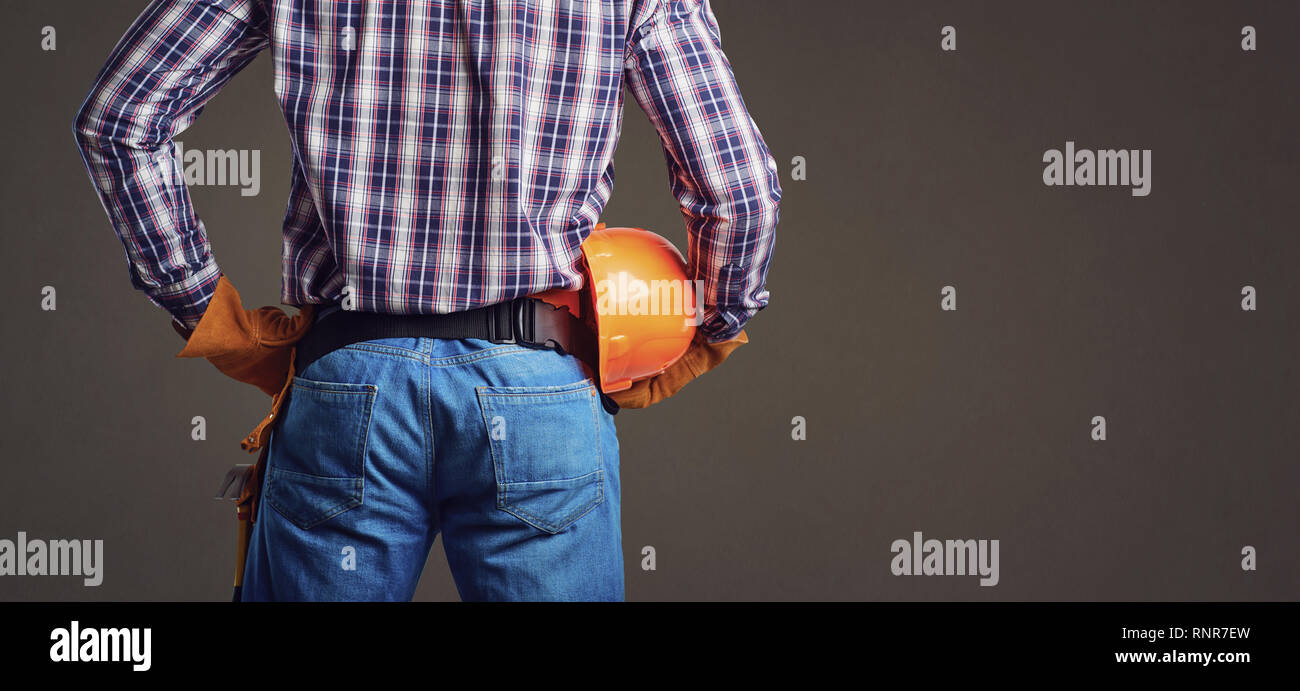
(699, 358)
(251, 346)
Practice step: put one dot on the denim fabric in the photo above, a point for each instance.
(505, 450)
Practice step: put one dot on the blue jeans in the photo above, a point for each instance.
(505, 450)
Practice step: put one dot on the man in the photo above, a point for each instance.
(448, 156)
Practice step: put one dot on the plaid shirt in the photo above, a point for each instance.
(446, 154)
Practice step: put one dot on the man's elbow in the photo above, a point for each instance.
(760, 213)
(87, 126)
(763, 211)
(771, 207)
(101, 125)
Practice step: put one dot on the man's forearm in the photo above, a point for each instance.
(722, 173)
(171, 61)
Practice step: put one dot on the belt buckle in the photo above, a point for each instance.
(524, 326)
(524, 318)
(521, 324)
(550, 330)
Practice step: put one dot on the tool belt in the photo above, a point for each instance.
(525, 321)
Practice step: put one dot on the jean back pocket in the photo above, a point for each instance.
(316, 469)
(546, 450)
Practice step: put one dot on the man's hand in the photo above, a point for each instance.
(251, 346)
(700, 357)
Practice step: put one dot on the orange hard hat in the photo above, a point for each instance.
(640, 303)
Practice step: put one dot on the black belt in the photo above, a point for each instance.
(524, 321)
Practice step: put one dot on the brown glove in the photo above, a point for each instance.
(700, 357)
(251, 346)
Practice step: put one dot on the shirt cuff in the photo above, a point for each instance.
(724, 325)
(187, 300)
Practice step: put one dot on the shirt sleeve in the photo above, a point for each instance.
(719, 167)
(174, 58)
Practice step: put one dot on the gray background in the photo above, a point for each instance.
(924, 170)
